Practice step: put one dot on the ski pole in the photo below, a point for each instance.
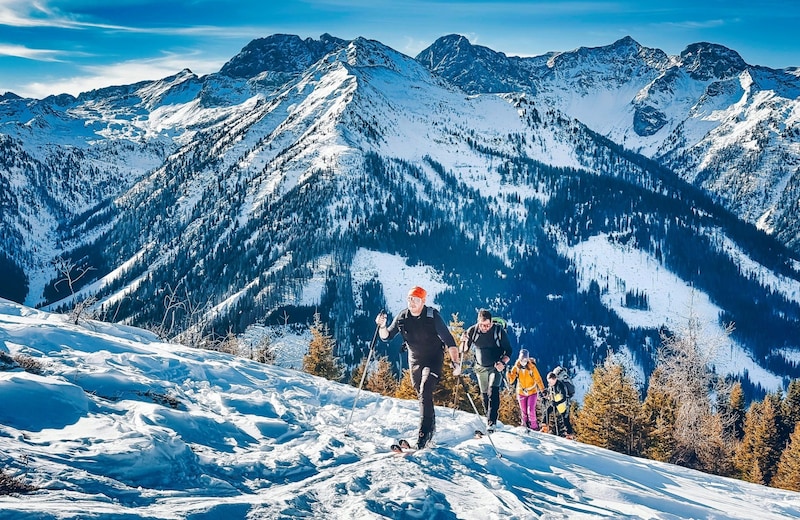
(458, 378)
(363, 377)
(488, 435)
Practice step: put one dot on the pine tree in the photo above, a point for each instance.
(320, 359)
(736, 409)
(790, 408)
(446, 387)
(358, 372)
(658, 420)
(463, 384)
(382, 379)
(467, 385)
(716, 454)
(759, 452)
(405, 389)
(459, 401)
(509, 413)
(787, 476)
(610, 416)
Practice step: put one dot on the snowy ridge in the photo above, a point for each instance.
(119, 425)
(729, 127)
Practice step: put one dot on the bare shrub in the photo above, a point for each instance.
(10, 484)
(26, 363)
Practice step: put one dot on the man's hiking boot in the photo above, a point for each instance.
(424, 439)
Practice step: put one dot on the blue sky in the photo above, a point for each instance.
(56, 46)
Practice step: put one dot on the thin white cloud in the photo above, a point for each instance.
(124, 73)
(23, 13)
(696, 24)
(20, 51)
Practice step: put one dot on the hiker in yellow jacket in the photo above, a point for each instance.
(529, 384)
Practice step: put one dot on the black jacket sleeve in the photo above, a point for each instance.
(443, 331)
(505, 343)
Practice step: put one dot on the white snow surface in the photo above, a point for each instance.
(95, 433)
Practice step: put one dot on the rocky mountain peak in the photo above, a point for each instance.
(704, 61)
(8, 96)
(279, 53)
(474, 68)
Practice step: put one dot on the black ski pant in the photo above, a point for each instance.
(489, 380)
(561, 422)
(491, 403)
(425, 381)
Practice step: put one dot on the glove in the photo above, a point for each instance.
(456, 368)
(499, 366)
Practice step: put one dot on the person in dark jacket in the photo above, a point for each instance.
(558, 405)
(492, 352)
(425, 335)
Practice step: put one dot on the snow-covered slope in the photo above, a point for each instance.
(120, 425)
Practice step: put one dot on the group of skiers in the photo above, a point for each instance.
(426, 338)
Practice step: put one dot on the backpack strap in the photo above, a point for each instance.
(474, 337)
(401, 328)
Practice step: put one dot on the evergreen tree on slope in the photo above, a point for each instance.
(787, 476)
(382, 379)
(658, 420)
(610, 416)
(759, 452)
(320, 359)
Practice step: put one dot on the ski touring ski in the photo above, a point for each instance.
(402, 447)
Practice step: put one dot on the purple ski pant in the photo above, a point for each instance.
(527, 408)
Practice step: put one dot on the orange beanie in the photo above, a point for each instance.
(418, 292)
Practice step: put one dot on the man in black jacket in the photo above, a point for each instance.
(425, 335)
(492, 352)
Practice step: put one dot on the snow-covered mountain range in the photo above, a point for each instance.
(723, 125)
(116, 424)
(592, 197)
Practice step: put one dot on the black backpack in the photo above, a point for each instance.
(498, 331)
(402, 329)
(563, 375)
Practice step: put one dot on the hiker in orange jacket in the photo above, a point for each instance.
(529, 384)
